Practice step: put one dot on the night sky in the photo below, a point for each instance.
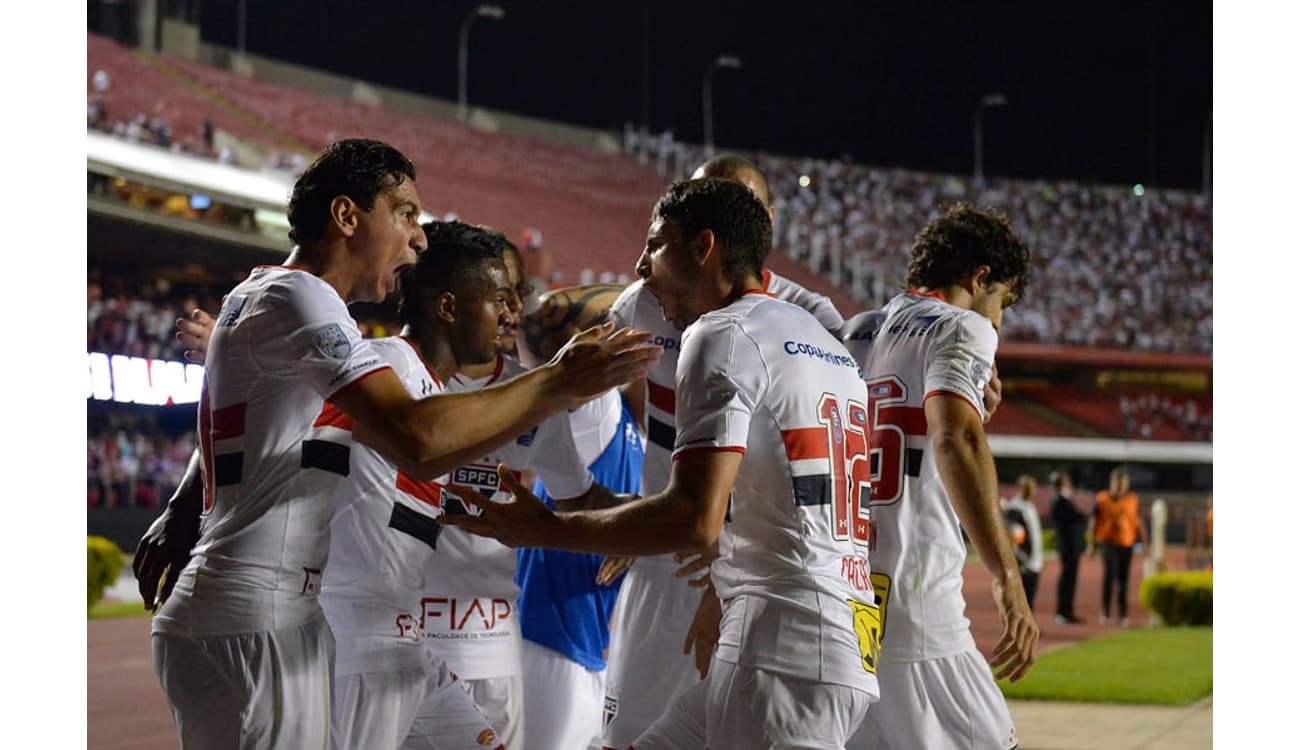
(1098, 92)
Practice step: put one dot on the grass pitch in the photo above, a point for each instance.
(1167, 666)
(115, 610)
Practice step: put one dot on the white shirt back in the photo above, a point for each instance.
(282, 344)
(637, 307)
(761, 377)
(915, 347)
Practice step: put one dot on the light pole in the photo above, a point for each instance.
(988, 100)
(495, 12)
(723, 61)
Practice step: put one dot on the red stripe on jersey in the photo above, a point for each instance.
(662, 397)
(710, 449)
(762, 292)
(429, 493)
(228, 421)
(332, 416)
(942, 393)
(936, 294)
(767, 279)
(805, 443)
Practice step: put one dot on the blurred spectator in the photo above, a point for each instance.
(131, 462)
(1021, 517)
(1111, 269)
(1070, 525)
(1116, 528)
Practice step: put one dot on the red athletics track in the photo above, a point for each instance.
(125, 708)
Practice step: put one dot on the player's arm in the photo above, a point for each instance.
(432, 436)
(688, 513)
(965, 465)
(429, 437)
(598, 497)
(164, 549)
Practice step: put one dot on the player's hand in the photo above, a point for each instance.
(194, 331)
(162, 553)
(599, 359)
(522, 521)
(1014, 654)
(613, 567)
(694, 561)
(992, 394)
(702, 637)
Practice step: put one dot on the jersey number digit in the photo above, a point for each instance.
(891, 423)
(850, 469)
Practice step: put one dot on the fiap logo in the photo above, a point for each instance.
(667, 343)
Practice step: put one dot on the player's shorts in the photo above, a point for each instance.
(268, 689)
(747, 707)
(425, 707)
(501, 699)
(647, 669)
(562, 701)
(951, 702)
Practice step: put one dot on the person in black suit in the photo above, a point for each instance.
(1070, 525)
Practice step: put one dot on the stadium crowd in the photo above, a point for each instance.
(1115, 267)
(131, 461)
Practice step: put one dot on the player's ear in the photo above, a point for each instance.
(445, 307)
(344, 215)
(979, 279)
(704, 245)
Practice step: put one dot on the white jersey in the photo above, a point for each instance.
(470, 599)
(759, 377)
(638, 308)
(380, 536)
(283, 343)
(916, 346)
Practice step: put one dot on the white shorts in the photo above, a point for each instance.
(747, 707)
(951, 702)
(425, 707)
(647, 670)
(501, 699)
(269, 689)
(562, 701)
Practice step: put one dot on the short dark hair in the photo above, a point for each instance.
(454, 261)
(359, 168)
(952, 246)
(731, 165)
(735, 215)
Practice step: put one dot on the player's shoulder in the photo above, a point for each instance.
(634, 298)
(863, 326)
(510, 368)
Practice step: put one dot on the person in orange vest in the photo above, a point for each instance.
(1116, 527)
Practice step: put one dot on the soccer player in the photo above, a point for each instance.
(468, 603)
(647, 667)
(927, 357)
(770, 462)
(240, 646)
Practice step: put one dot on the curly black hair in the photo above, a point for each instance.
(737, 217)
(951, 247)
(453, 263)
(359, 168)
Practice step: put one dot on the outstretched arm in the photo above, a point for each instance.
(966, 466)
(687, 514)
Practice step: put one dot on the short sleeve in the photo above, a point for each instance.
(322, 344)
(556, 459)
(961, 359)
(720, 380)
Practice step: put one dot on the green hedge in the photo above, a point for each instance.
(1184, 598)
(104, 563)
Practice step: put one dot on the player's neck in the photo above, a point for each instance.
(325, 263)
(730, 290)
(435, 347)
(475, 372)
(954, 294)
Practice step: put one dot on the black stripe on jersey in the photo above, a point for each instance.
(227, 469)
(912, 462)
(661, 434)
(814, 489)
(415, 524)
(327, 456)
